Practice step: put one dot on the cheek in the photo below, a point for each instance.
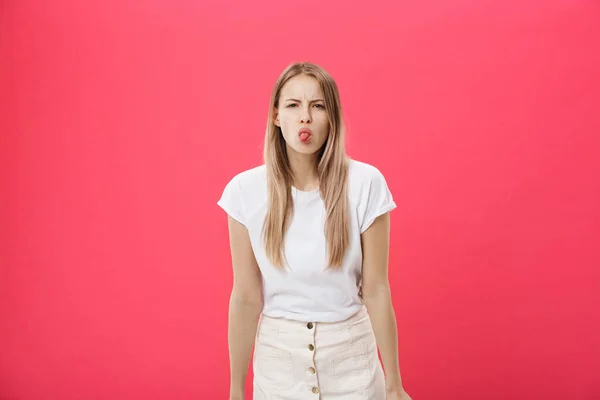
(286, 118)
(324, 123)
(286, 125)
(323, 118)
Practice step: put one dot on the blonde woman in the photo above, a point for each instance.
(309, 238)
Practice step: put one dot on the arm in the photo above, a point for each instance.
(245, 306)
(377, 298)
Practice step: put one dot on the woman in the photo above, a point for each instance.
(309, 238)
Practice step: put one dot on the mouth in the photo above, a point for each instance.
(305, 135)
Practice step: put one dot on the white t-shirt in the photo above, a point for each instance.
(305, 289)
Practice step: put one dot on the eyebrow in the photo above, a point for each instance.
(298, 101)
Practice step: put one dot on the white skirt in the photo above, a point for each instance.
(317, 361)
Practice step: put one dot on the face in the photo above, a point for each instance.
(301, 115)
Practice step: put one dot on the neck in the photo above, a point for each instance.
(304, 169)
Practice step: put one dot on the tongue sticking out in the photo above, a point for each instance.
(305, 136)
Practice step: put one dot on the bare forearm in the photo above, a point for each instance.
(383, 318)
(243, 322)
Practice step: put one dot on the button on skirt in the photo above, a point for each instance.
(317, 361)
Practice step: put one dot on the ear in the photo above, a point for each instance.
(276, 117)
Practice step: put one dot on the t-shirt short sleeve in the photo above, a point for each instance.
(232, 200)
(379, 200)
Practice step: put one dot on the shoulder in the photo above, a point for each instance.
(249, 178)
(362, 174)
(243, 192)
(368, 192)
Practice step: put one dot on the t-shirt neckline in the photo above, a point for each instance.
(304, 194)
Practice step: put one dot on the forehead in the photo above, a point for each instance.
(301, 87)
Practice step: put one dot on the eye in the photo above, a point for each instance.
(320, 105)
(291, 105)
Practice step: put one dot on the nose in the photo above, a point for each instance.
(305, 116)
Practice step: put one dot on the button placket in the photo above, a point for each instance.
(310, 327)
(311, 370)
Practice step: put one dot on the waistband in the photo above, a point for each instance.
(290, 324)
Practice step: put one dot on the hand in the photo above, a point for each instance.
(397, 395)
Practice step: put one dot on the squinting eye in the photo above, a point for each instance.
(291, 105)
(320, 105)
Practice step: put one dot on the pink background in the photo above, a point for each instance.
(122, 120)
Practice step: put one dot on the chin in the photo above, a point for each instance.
(306, 149)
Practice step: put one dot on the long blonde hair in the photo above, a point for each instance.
(332, 171)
